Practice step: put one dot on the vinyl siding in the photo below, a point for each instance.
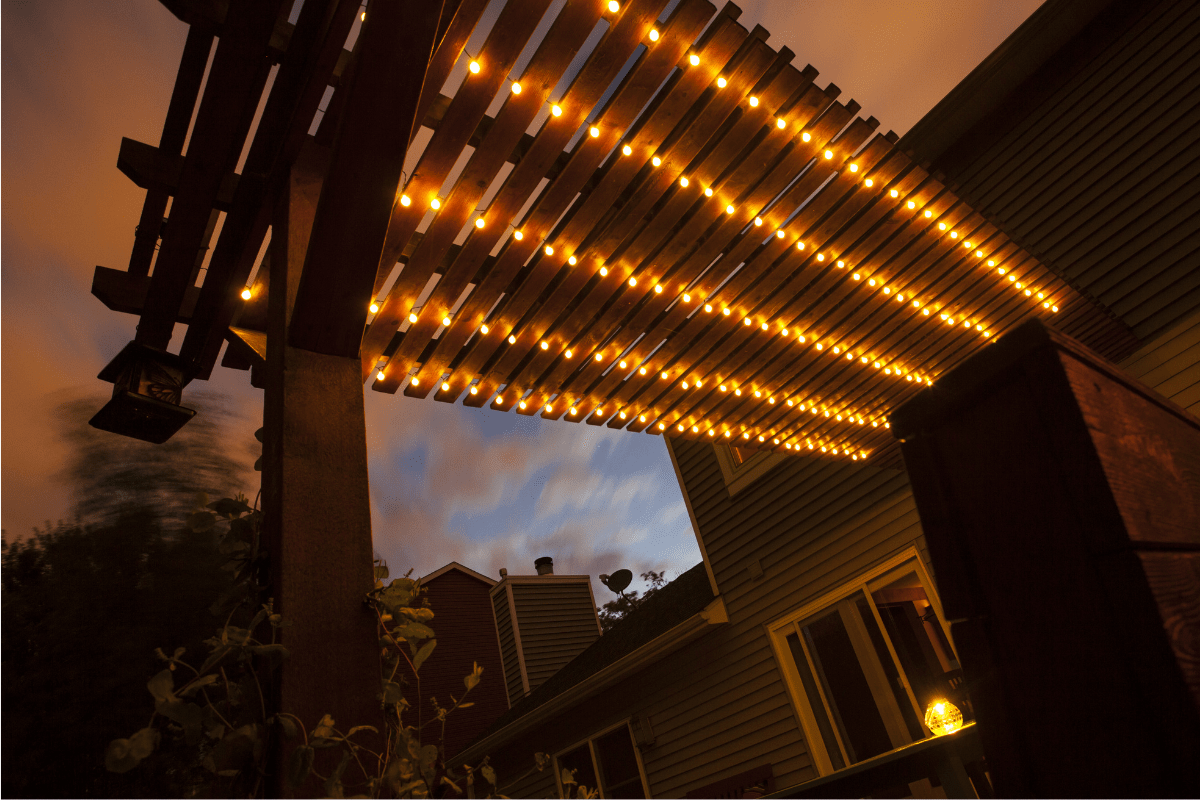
(718, 706)
(557, 622)
(1171, 364)
(466, 635)
(508, 648)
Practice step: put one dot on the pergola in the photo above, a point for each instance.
(663, 226)
(633, 213)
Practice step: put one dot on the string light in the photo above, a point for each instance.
(556, 110)
(474, 67)
(683, 182)
(694, 60)
(753, 101)
(512, 340)
(518, 235)
(594, 131)
(653, 35)
(446, 320)
(572, 260)
(247, 294)
(435, 204)
(405, 200)
(627, 150)
(483, 329)
(614, 6)
(806, 136)
(479, 222)
(568, 353)
(656, 161)
(549, 250)
(412, 318)
(708, 192)
(516, 88)
(721, 82)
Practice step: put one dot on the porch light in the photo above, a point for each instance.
(943, 717)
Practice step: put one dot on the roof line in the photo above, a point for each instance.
(658, 647)
(437, 573)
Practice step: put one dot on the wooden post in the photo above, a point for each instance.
(316, 501)
(1060, 500)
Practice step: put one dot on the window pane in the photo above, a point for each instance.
(814, 701)
(580, 760)
(618, 764)
(911, 721)
(845, 685)
(916, 633)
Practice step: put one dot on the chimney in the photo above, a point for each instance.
(544, 565)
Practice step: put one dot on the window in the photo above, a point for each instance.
(608, 762)
(864, 662)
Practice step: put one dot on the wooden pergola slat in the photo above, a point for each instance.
(690, 166)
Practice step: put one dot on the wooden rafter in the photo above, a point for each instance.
(667, 228)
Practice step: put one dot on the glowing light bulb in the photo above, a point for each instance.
(622, 364)
(708, 192)
(656, 161)
(446, 320)
(405, 200)
(941, 226)
(953, 234)
(753, 101)
(435, 204)
(729, 209)
(695, 429)
(708, 307)
(523, 405)
(799, 245)
(549, 250)
(622, 415)
(246, 295)
(683, 385)
(653, 35)
(779, 234)
(725, 311)
(665, 375)
(806, 136)
(479, 222)
(603, 271)
(721, 83)
(854, 167)
(820, 256)
(828, 154)
(928, 213)
(911, 204)
(779, 123)
(474, 67)
(683, 182)
(857, 276)
(594, 131)
(599, 357)
(894, 193)
(662, 427)
(633, 281)
(627, 150)
(414, 381)
(868, 183)
(642, 371)
(737, 392)
(746, 321)
(445, 386)
(614, 6)
(518, 235)
(694, 60)
(556, 110)
(641, 418)
(412, 318)
(841, 264)
(379, 375)
(764, 326)
(687, 298)
(545, 345)
(568, 353)
(572, 260)
(483, 329)
(658, 289)
(758, 222)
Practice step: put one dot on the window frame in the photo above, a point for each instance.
(590, 741)
(739, 476)
(779, 629)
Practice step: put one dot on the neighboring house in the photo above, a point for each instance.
(466, 635)
(811, 638)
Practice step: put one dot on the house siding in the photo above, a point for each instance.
(514, 686)
(466, 635)
(557, 622)
(1171, 364)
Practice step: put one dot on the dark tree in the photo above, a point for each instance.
(86, 603)
(614, 611)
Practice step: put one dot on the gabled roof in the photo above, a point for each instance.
(437, 573)
(674, 604)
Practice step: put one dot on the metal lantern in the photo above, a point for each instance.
(147, 392)
(943, 717)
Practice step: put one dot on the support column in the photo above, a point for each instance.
(1060, 500)
(316, 500)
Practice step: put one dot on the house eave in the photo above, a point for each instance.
(662, 645)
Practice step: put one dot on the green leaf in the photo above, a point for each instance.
(162, 686)
(424, 653)
(358, 728)
(324, 728)
(392, 693)
(201, 500)
(196, 684)
(288, 724)
(413, 630)
(466, 705)
(189, 716)
(333, 786)
(215, 657)
(202, 521)
(119, 756)
(568, 777)
(142, 743)
(234, 752)
(488, 774)
(472, 680)
(299, 765)
(381, 572)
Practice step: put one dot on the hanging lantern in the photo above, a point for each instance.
(147, 392)
(943, 717)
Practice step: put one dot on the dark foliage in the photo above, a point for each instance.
(614, 611)
(85, 603)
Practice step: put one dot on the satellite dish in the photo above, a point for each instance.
(618, 581)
